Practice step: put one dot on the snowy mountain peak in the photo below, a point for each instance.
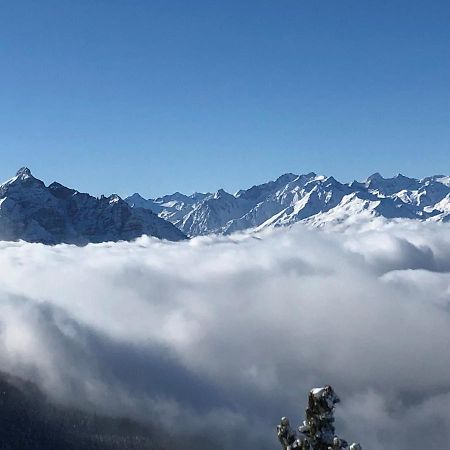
(443, 180)
(313, 199)
(22, 180)
(34, 212)
(23, 172)
(114, 198)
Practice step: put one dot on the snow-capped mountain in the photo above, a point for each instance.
(313, 199)
(34, 212)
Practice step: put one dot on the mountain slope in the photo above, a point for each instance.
(31, 421)
(31, 211)
(310, 198)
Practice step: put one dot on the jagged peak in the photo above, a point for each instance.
(375, 176)
(23, 178)
(222, 193)
(114, 198)
(24, 172)
(331, 180)
(400, 176)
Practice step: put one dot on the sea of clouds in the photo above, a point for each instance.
(221, 336)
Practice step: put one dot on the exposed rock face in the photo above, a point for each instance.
(52, 214)
(31, 211)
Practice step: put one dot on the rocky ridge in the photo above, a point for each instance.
(34, 212)
(310, 198)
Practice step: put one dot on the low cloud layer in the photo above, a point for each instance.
(223, 335)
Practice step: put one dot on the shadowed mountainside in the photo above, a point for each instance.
(29, 421)
(54, 214)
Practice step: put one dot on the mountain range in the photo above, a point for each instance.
(313, 199)
(34, 212)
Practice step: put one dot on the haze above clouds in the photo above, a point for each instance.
(224, 335)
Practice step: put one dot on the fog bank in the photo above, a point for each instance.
(224, 335)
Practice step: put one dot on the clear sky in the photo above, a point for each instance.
(157, 96)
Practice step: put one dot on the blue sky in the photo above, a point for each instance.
(157, 96)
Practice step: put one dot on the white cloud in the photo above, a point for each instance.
(229, 333)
